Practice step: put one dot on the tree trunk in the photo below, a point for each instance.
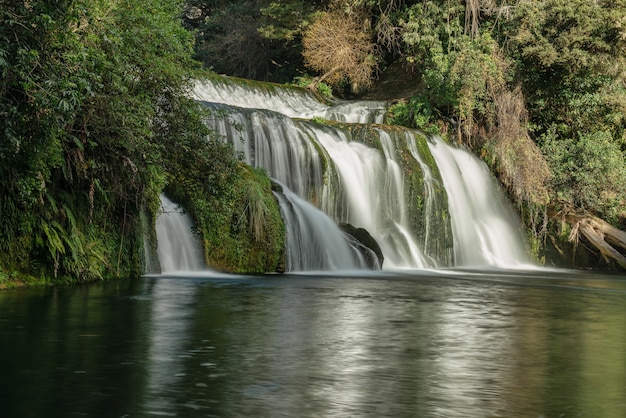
(610, 241)
(321, 78)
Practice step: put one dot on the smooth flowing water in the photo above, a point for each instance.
(406, 344)
(486, 231)
(313, 241)
(178, 248)
(359, 172)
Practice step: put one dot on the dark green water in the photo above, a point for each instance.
(432, 344)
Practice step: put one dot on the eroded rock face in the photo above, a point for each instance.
(365, 243)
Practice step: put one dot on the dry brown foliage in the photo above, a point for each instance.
(523, 168)
(338, 46)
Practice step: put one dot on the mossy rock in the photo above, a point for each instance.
(362, 236)
(241, 229)
(252, 238)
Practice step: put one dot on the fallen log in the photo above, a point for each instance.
(608, 240)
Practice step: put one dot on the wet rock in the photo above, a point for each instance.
(366, 244)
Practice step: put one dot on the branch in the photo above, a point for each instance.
(603, 236)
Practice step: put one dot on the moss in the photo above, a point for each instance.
(263, 86)
(242, 231)
(256, 230)
(432, 224)
(11, 280)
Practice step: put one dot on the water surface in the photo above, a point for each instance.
(408, 344)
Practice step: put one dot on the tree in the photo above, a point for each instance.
(250, 38)
(340, 48)
(570, 60)
(94, 103)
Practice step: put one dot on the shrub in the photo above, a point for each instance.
(589, 173)
(337, 46)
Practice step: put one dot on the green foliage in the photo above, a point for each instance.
(320, 120)
(570, 59)
(306, 81)
(240, 225)
(462, 72)
(285, 20)
(569, 36)
(414, 113)
(477, 76)
(431, 29)
(325, 90)
(93, 99)
(589, 173)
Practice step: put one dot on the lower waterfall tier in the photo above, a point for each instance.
(395, 183)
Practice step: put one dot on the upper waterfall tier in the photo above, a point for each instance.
(294, 102)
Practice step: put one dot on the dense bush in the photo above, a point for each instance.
(95, 120)
(589, 172)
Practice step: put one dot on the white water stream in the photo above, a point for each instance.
(313, 240)
(292, 102)
(485, 229)
(178, 248)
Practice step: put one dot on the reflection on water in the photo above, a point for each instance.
(437, 344)
(169, 323)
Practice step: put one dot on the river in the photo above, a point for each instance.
(429, 343)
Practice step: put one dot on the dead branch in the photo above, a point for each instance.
(608, 240)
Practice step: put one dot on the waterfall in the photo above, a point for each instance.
(431, 205)
(389, 181)
(314, 242)
(347, 180)
(292, 102)
(371, 185)
(485, 229)
(177, 247)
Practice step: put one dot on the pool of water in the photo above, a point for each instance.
(443, 343)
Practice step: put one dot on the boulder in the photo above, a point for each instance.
(365, 243)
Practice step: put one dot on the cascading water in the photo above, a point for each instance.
(371, 185)
(485, 230)
(364, 182)
(313, 240)
(349, 181)
(177, 247)
(292, 102)
(432, 207)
